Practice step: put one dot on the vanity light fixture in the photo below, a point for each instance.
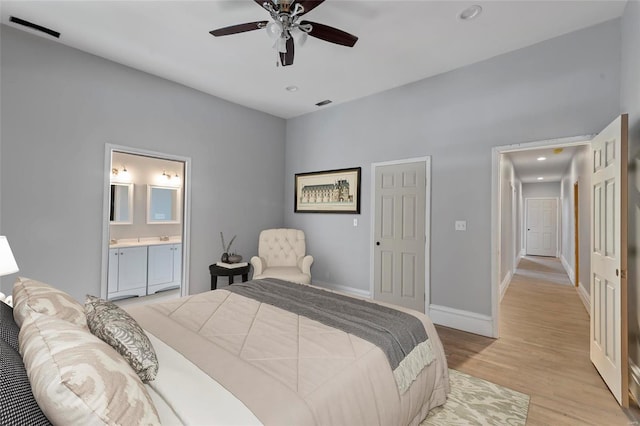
(120, 175)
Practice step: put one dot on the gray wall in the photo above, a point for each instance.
(630, 103)
(562, 87)
(59, 106)
(541, 190)
(578, 171)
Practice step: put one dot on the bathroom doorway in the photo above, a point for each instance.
(145, 224)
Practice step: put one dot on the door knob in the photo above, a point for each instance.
(377, 243)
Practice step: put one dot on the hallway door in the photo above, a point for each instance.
(608, 324)
(542, 227)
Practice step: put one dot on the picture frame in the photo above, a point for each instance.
(328, 191)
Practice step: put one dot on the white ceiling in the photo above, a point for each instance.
(528, 168)
(400, 42)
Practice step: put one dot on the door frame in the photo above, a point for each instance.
(496, 213)
(576, 232)
(525, 213)
(186, 205)
(427, 222)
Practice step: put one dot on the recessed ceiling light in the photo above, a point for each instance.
(470, 13)
(540, 178)
(292, 88)
(542, 158)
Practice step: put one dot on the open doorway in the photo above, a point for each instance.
(530, 182)
(145, 224)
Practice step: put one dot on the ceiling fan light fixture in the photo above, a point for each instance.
(274, 29)
(299, 36)
(470, 13)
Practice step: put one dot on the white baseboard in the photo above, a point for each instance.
(568, 269)
(585, 297)
(462, 320)
(344, 289)
(504, 285)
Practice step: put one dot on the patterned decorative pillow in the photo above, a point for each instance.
(17, 405)
(8, 328)
(78, 379)
(34, 296)
(116, 327)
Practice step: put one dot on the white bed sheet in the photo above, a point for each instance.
(189, 396)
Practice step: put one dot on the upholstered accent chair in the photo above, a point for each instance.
(282, 254)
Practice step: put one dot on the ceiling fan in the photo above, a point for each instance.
(286, 26)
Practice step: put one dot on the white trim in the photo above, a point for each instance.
(427, 224)
(504, 285)
(462, 320)
(186, 218)
(496, 152)
(568, 269)
(343, 289)
(585, 297)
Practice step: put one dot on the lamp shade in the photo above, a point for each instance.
(7, 261)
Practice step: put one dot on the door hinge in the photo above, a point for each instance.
(623, 273)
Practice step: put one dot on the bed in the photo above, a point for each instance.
(262, 352)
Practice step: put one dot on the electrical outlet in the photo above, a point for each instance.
(461, 225)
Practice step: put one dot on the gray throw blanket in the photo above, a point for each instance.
(397, 333)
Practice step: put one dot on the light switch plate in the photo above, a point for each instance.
(461, 225)
(355, 222)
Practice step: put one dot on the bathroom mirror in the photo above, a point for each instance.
(163, 204)
(121, 204)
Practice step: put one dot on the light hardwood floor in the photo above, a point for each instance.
(543, 351)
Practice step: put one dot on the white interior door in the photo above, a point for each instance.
(542, 227)
(608, 328)
(399, 232)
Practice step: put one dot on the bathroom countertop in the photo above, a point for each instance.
(146, 241)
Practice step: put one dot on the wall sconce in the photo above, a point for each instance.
(118, 175)
(171, 180)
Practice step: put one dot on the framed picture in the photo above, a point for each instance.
(330, 191)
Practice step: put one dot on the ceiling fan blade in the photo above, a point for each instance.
(330, 34)
(286, 59)
(309, 5)
(240, 28)
(262, 2)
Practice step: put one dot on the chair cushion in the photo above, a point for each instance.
(292, 274)
(281, 247)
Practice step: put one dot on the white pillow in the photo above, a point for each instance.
(77, 379)
(35, 296)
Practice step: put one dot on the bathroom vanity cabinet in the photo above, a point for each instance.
(143, 269)
(127, 272)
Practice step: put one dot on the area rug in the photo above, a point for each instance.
(474, 401)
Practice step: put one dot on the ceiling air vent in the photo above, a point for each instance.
(323, 103)
(34, 26)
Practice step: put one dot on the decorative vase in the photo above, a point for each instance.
(225, 257)
(234, 258)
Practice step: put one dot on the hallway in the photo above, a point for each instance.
(543, 350)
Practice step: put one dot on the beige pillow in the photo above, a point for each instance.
(122, 332)
(77, 379)
(34, 296)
